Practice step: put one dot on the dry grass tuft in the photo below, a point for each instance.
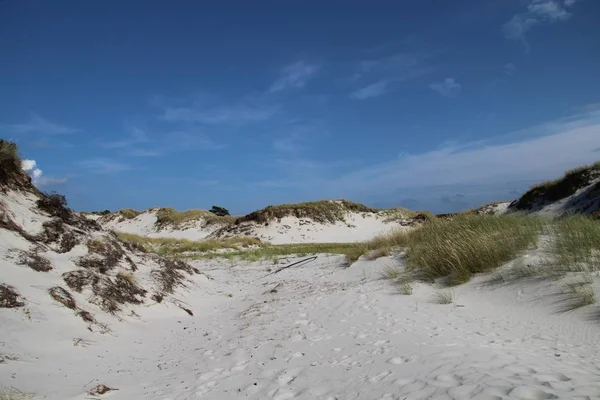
(11, 393)
(170, 275)
(35, 261)
(63, 297)
(9, 297)
(100, 390)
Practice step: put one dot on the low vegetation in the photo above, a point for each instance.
(11, 393)
(324, 211)
(443, 297)
(129, 213)
(553, 190)
(171, 246)
(172, 217)
(10, 162)
(460, 247)
(9, 297)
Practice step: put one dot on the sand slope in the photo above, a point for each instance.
(315, 331)
(356, 227)
(145, 224)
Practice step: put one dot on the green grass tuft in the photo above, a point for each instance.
(443, 297)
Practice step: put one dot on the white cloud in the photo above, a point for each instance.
(531, 155)
(30, 166)
(538, 12)
(295, 75)
(448, 88)
(37, 124)
(374, 90)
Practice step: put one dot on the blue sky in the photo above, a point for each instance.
(437, 105)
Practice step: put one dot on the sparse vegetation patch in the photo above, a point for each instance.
(9, 297)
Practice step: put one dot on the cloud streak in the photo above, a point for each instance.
(375, 90)
(530, 155)
(447, 88)
(538, 12)
(37, 124)
(295, 75)
(103, 166)
(235, 114)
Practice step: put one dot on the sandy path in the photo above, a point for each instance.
(334, 333)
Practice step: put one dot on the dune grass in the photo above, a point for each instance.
(170, 216)
(129, 213)
(576, 247)
(273, 252)
(460, 247)
(324, 211)
(172, 246)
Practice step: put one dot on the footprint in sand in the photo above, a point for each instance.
(379, 377)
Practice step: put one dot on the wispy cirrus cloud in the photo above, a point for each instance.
(384, 71)
(136, 136)
(531, 155)
(537, 12)
(37, 124)
(374, 90)
(103, 166)
(510, 69)
(244, 112)
(295, 75)
(447, 88)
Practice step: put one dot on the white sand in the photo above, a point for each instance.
(357, 227)
(326, 332)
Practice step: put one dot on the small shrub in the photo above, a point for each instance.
(9, 297)
(56, 205)
(219, 211)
